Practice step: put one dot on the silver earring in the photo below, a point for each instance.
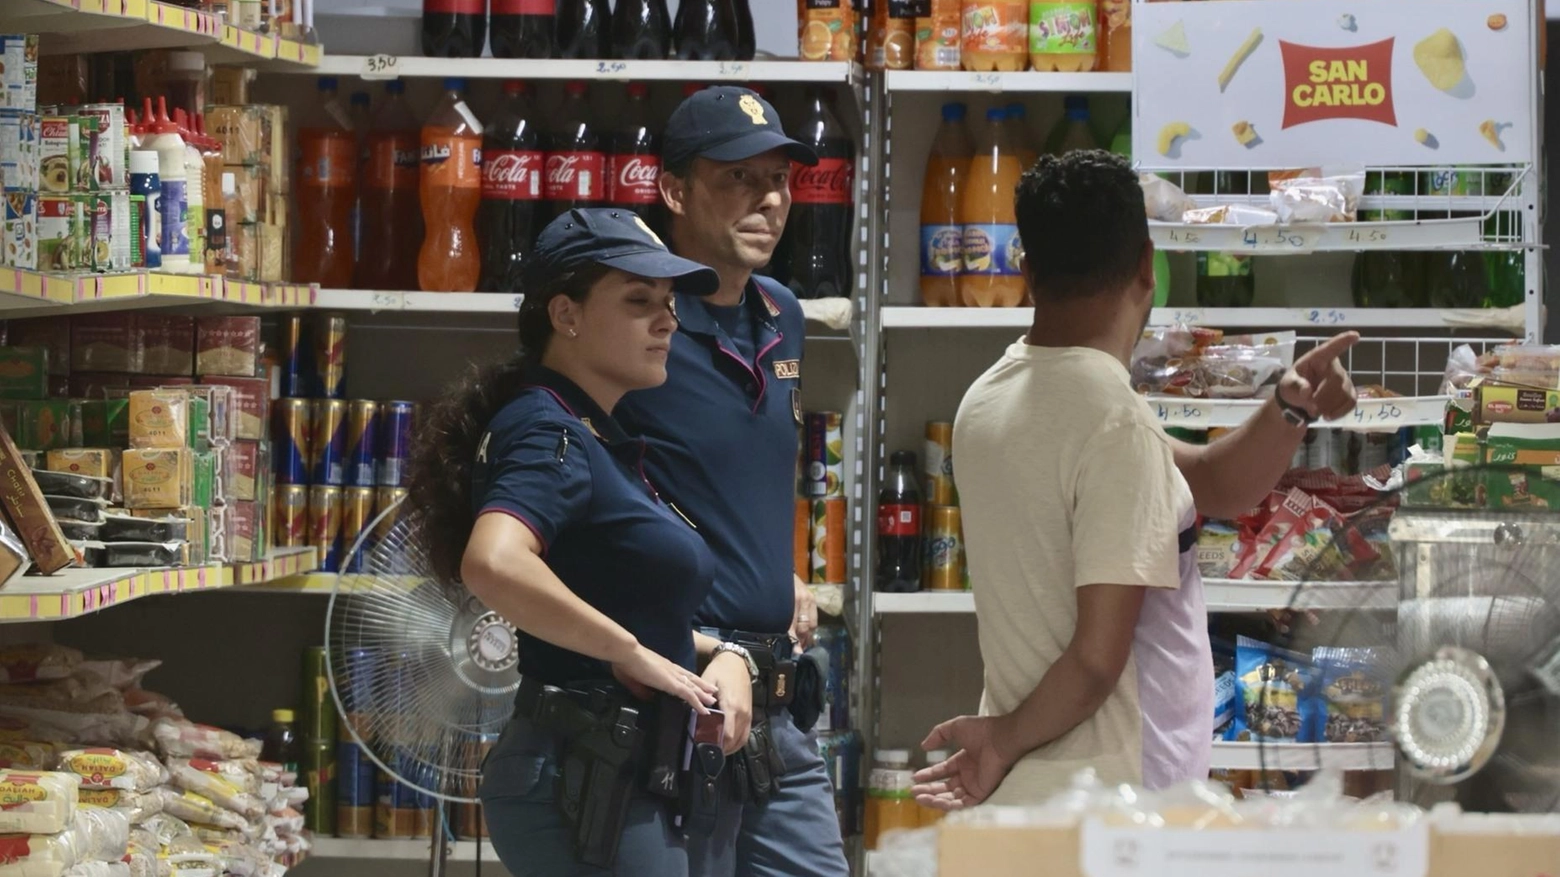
(573, 333)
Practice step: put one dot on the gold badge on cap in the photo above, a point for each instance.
(646, 229)
(755, 110)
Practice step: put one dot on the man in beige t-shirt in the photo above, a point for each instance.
(1080, 515)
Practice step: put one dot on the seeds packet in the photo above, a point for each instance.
(1272, 689)
(1353, 696)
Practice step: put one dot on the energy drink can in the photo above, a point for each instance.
(293, 435)
(291, 515)
(319, 776)
(325, 525)
(362, 415)
(330, 356)
(825, 475)
(835, 639)
(396, 809)
(319, 708)
(356, 514)
(296, 380)
(944, 567)
(385, 499)
(329, 447)
(938, 461)
(395, 442)
(356, 775)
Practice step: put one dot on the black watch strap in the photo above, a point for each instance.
(1292, 413)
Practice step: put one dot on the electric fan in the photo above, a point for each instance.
(424, 675)
(1450, 648)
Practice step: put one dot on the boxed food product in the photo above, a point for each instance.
(244, 462)
(152, 382)
(278, 154)
(19, 71)
(45, 424)
(19, 151)
(95, 462)
(1536, 448)
(159, 418)
(249, 194)
(228, 346)
(96, 385)
(52, 333)
(112, 226)
(58, 154)
(106, 422)
(245, 529)
(40, 802)
(157, 478)
(105, 343)
(62, 233)
(251, 402)
(167, 342)
(221, 418)
(109, 161)
(203, 489)
(273, 252)
(1511, 403)
(21, 230)
(244, 239)
(243, 131)
(84, 130)
(24, 372)
(29, 512)
(230, 85)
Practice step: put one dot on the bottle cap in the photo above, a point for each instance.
(516, 86)
(395, 86)
(327, 83)
(954, 111)
(454, 83)
(160, 123)
(996, 114)
(1076, 106)
(282, 716)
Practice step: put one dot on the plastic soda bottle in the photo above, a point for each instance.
(942, 237)
(937, 36)
(992, 250)
(451, 191)
(391, 219)
(1063, 35)
(327, 193)
(996, 35)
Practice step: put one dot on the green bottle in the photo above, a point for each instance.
(1121, 144)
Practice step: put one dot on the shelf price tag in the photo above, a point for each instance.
(990, 80)
(1178, 412)
(519, 300)
(380, 66)
(1180, 234)
(1326, 317)
(1365, 235)
(388, 301)
(1188, 317)
(1377, 413)
(1280, 238)
(732, 70)
(613, 68)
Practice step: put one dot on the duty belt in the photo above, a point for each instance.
(774, 653)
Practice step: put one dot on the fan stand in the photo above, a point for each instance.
(439, 851)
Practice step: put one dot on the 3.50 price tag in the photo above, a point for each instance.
(380, 66)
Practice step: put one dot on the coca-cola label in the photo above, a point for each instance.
(575, 176)
(453, 7)
(635, 179)
(896, 519)
(523, 7)
(828, 182)
(512, 174)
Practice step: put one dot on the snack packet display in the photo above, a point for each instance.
(1272, 684)
(1354, 695)
(1330, 196)
(1164, 200)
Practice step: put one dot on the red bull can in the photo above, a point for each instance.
(395, 442)
(291, 515)
(291, 438)
(356, 514)
(385, 499)
(330, 356)
(362, 417)
(295, 357)
(329, 448)
(325, 525)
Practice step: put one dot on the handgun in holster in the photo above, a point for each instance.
(596, 764)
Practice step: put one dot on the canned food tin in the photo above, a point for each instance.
(295, 357)
(362, 670)
(362, 417)
(319, 776)
(356, 775)
(292, 434)
(938, 464)
(944, 567)
(291, 515)
(319, 708)
(329, 448)
(395, 442)
(357, 513)
(825, 454)
(828, 541)
(325, 525)
(330, 356)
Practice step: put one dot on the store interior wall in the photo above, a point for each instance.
(1551, 206)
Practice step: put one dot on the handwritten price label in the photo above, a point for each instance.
(1272, 238)
(1184, 235)
(519, 300)
(380, 67)
(1187, 318)
(612, 68)
(732, 70)
(991, 80)
(1331, 317)
(387, 301)
(1378, 414)
(1181, 412)
(1367, 236)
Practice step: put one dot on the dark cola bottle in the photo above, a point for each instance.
(512, 161)
(705, 30)
(747, 40)
(522, 28)
(634, 165)
(576, 163)
(583, 29)
(816, 246)
(453, 28)
(641, 30)
(899, 527)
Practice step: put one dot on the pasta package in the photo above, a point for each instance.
(193, 807)
(181, 738)
(39, 802)
(136, 806)
(114, 769)
(226, 785)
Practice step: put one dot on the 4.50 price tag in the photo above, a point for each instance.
(380, 66)
(1177, 412)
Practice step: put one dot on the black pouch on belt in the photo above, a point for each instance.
(701, 789)
(810, 700)
(755, 756)
(665, 746)
(597, 777)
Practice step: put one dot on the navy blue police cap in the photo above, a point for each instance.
(617, 239)
(727, 123)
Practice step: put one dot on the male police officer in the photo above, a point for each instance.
(722, 435)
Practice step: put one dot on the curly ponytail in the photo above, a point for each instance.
(445, 447)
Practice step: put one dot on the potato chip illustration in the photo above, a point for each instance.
(1491, 132)
(1169, 133)
(1440, 58)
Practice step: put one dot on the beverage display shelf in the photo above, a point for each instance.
(1221, 595)
(412, 67)
(107, 25)
(1371, 415)
(830, 312)
(1028, 81)
(1303, 756)
(1503, 319)
(1299, 240)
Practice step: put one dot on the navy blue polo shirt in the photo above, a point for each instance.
(722, 436)
(555, 461)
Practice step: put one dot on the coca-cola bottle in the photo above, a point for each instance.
(634, 166)
(583, 29)
(641, 30)
(817, 240)
(705, 30)
(899, 527)
(453, 28)
(522, 28)
(512, 161)
(576, 164)
(747, 40)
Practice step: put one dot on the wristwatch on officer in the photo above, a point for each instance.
(740, 652)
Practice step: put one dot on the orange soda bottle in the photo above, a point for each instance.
(391, 221)
(992, 274)
(826, 30)
(937, 37)
(1115, 32)
(327, 188)
(451, 190)
(996, 35)
(942, 237)
(891, 38)
(1063, 35)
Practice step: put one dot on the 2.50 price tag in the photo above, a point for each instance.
(380, 66)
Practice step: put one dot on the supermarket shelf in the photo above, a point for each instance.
(1369, 415)
(33, 293)
(959, 80)
(1231, 595)
(77, 592)
(103, 25)
(303, 582)
(832, 312)
(1298, 240)
(1505, 319)
(408, 850)
(394, 67)
(923, 603)
(1303, 756)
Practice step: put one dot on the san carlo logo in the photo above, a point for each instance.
(1353, 82)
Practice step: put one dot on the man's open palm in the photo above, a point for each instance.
(974, 771)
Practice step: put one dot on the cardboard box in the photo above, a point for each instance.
(244, 532)
(273, 265)
(159, 419)
(228, 346)
(45, 424)
(19, 151)
(59, 154)
(158, 478)
(167, 344)
(105, 422)
(96, 385)
(52, 333)
(19, 71)
(20, 230)
(24, 373)
(106, 343)
(1536, 448)
(29, 512)
(96, 462)
(230, 85)
(249, 201)
(244, 132)
(251, 401)
(1510, 403)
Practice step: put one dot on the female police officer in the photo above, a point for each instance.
(534, 498)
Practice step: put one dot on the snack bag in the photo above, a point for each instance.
(1273, 686)
(1354, 696)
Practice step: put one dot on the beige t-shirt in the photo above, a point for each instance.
(1067, 480)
